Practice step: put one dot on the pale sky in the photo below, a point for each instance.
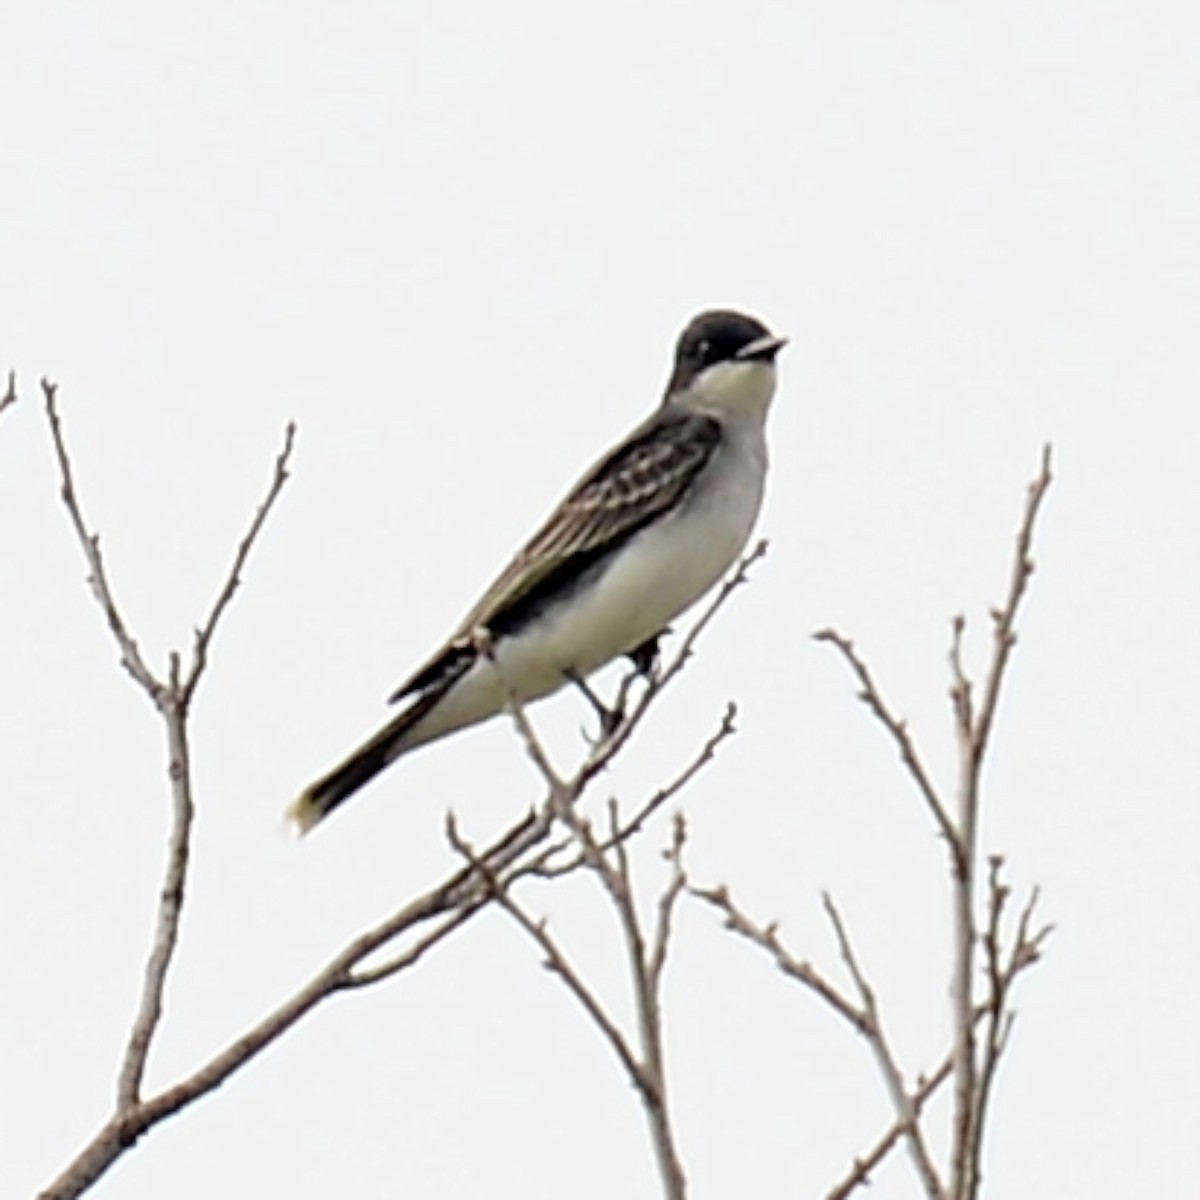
(455, 244)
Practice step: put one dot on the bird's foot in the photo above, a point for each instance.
(610, 717)
(647, 657)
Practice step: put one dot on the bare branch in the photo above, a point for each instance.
(766, 937)
(545, 868)
(647, 1000)
(973, 727)
(1002, 971)
(171, 699)
(204, 635)
(960, 685)
(928, 1084)
(859, 1175)
(89, 543)
(897, 727)
(614, 874)
(462, 894)
(1004, 619)
(906, 1113)
(667, 903)
(973, 1074)
(1027, 947)
(366, 976)
(964, 1169)
(644, 1067)
(706, 754)
(443, 908)
(165, 699)
(450, 904)
(170, 899)
(557, 961)
(997, 1018)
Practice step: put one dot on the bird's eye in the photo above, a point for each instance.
(703, 346)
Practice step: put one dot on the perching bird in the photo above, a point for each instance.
(640, 538)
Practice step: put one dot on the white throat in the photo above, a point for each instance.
(742, 389)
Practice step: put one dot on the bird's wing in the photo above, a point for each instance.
(635, 482)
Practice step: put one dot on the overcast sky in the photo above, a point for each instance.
(455, 244)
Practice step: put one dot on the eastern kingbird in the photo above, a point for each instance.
(640, 538)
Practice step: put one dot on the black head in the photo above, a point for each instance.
(717, 337)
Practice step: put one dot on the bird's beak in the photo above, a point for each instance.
(762, 349)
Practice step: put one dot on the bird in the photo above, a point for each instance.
(646, 531)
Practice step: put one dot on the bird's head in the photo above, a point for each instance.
(725, 360)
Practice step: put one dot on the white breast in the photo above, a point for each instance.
(659, 574)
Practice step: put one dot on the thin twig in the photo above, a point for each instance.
(1004, 620)
(1002, 971)
(89, 543)
(557, 961)
(906, 1113)
(162, 695)
(961, 698)
(667, 903)
(544, 866)
(204, 635)
(997, 1019)
(1027, 947)
(897, 727)
(766, 937)
(860, 1171)
(648, 999)
(648, 1007)
(706, 754)
(171, 698)
(614, 875)
(973, 727)
(366, 976)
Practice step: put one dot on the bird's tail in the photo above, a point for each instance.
(319, 799)
(401, 734)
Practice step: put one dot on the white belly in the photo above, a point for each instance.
(661, 573)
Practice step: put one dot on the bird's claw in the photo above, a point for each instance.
(610, 718)
(647, 656)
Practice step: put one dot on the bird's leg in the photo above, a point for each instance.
(647, 656)
(610, 718)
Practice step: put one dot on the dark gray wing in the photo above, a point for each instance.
(634, 483)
